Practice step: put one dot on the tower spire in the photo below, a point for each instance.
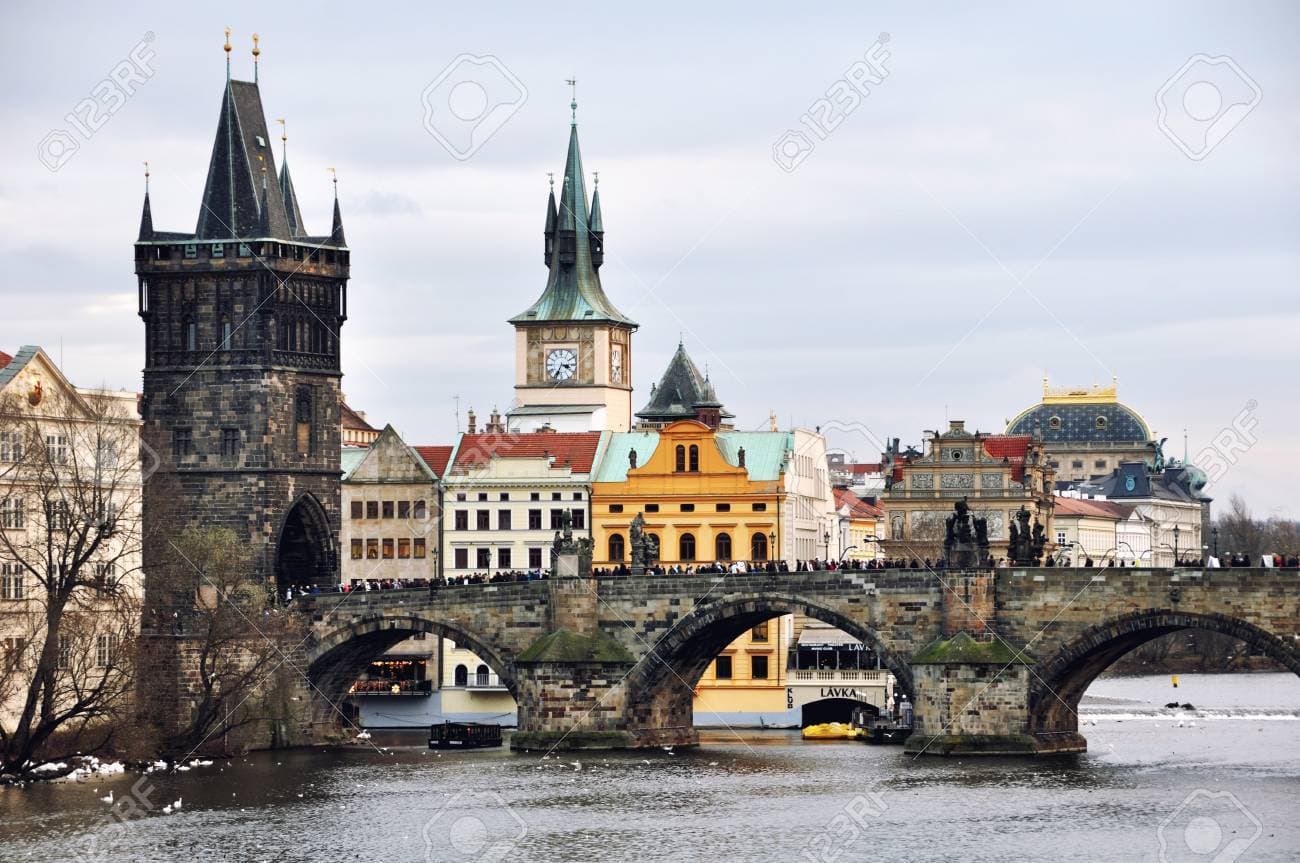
(336, 231)
(573, 103)
(291, 209)
(146, 214)
(256, 53)
(227, 49)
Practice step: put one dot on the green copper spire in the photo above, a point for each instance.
(574, 251)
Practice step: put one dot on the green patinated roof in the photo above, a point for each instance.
(680, 391)
(573, 290)
(614, 464)
(562, 645)
(350, 458)
(961, 649)
(764, 453)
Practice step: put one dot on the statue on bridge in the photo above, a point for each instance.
(645, 547)
(566, 547)
(1027, 542)
(966, 544)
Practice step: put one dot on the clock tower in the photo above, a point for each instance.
(573, 349)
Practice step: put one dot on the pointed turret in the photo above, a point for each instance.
(549, 232)
(683, 393)
(597, 228)
(146, 215)
(574, 252)
(336, 230)
(231, 206)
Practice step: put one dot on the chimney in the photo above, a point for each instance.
(495, 426)
(473, 423)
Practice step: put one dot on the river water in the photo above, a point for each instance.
(1223, 780)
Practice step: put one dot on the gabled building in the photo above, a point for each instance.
(505, 494)
(860, 525)
(355, 428)
(683, 393)
(1170, 507)
(996, 474)
(573, 348)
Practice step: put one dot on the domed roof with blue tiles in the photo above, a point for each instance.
(1081, 415)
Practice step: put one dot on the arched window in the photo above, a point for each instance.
(695, 459)
(686, 547)
(191, 335)
(226, 334)
(481, 675)
(681, 458)
(722, 546)
(462, 676)
(758, 547)
(616, 548)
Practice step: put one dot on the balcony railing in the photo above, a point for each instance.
(393, 687)
(848, 675)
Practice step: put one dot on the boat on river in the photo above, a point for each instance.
(464, 735)
(831, 731)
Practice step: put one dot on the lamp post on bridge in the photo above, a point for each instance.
(1176, 532)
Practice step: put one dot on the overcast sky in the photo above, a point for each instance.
(1002, 205)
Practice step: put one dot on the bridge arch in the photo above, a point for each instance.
(304, 551)
(1059, 680)
(340, 657)
(661, 685)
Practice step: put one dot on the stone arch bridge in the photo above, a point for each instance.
(995, 661)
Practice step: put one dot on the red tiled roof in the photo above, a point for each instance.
(858, 508)
(350, 419)
(5, 359)
(436, 457)
(576, 450)
(863, 467)
(1073, 506)
(1009, 446)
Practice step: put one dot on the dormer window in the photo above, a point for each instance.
(1054, 423)
(218, 250)
(1101, 423)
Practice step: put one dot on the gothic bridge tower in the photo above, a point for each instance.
(242, 320)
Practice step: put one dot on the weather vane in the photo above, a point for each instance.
(573, 105)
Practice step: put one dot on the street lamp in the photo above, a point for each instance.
(771, 545)
(1214, 533)
(1176, 532)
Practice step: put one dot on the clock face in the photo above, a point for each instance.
(616, 364)
(561, 364)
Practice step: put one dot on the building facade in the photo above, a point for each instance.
(860, 526)
(996, 474)
(1169, 511)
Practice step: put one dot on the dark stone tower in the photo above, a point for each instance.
(241, 381)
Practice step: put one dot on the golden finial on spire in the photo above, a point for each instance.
(256, 51)
(227, 41)
(284, 129)
(146, 178)
(550, 178)
(596, 176)
(334, 176)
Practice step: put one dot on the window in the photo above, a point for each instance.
(357, 511)
(461, 675)
(462, 519)
(420, 549)
(758, 507)
(218, 250)
(1099, 464)
(758, 547)
(11, 581)
(577, 495)
(535, 495)
(421, 510)
(759, 632)
(105, 648)
(534, 519)
(616, 507)
(557, 519)
(724, 507)
(652, 507)
(688, 507)
(555, 495)
(182, 442)
(686, 547)
(65, 652)
(482, 495)
(226, 334)
(229, 443)
(357, 553)
(1077, 463)
(11, 446)
(1101, 423)
(722, 546)
(403, 549)
(505, 495)
(56, 449)
(503, 558)
(579, 519)
(483, 519)
(534, 558)
(388, 549)
(372, 509)
(616, 547)
(1054, 423)
(460, 496)
(695, 459)
(403, 509)
(503, 519)
(483, 558)
(11, 514)
(14, 646)
(681, 459)
(722, 668)
(372, 549)
(388, 509)
(191, 335)
(758, 667)
(1060, 537)
(462, 558)
(482, 676)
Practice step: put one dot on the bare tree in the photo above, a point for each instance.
(1241, 533)
(235, 632)
(69, 562)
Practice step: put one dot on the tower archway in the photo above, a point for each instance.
(304, 551)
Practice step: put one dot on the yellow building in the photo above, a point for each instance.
(707, 496)
(470, 691)
(747, 681)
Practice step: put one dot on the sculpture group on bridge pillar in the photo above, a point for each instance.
(1027, 543)
(966, 544)
(645, 547)
(566, 545)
